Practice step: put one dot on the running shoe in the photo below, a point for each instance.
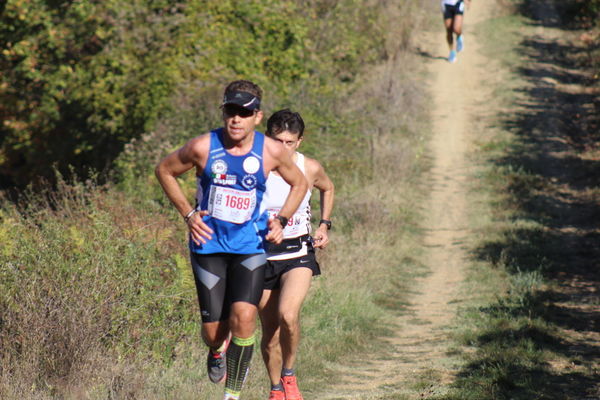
(452, 56)
(231, 395)
(276, 395)
(216, 364)
(290, 386)
(459, 43)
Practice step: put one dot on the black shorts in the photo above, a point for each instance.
(451, 11)
(276, 268)
(223, 279)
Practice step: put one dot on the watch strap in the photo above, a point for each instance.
(326, 222)
(283, 220)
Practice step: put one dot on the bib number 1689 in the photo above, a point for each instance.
(240, 203)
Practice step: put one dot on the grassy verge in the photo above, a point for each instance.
(529, 333)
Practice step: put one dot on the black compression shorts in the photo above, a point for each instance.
(451, 11)
(223, 279)
(276, 268)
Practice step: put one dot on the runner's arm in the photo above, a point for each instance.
(167, 171)
(326, 191)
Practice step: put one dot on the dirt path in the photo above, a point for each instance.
(420, 348)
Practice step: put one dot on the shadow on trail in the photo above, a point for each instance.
(426, 54)
(555, 236)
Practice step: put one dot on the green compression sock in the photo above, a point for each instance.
(239, 354)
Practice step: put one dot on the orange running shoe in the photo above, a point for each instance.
(290, 386)
(276, 395)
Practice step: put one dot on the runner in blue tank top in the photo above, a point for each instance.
(231, 189)
(227, 228)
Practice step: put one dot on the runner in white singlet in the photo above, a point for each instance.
(298, 225)
(291, 264)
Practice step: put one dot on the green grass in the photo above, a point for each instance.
(515, 334)
(97, 299)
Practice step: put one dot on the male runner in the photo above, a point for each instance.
(291, 264)
(453, 11)
(227, 226)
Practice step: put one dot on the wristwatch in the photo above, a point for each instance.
(326, 222)
(283, 220)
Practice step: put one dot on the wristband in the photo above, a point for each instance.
(189, 215)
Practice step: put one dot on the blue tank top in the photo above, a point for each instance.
(231, 188)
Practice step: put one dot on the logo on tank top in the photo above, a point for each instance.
(224, 179)
(251, 165)
(249, 181)
(219, 167)
(219, 174)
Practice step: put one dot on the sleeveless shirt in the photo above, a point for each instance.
(231, 188)
(275, 195)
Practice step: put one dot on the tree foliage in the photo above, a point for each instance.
(79, 79)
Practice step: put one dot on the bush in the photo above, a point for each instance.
(88, 274)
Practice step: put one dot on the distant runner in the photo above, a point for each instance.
(453, 11)
(228, 225)
(291, 264)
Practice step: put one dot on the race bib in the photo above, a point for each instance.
(231, 205)
(296, 226)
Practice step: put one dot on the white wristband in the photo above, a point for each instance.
(189, 215)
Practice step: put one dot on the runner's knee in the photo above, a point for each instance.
(242, 317)
(289, 320)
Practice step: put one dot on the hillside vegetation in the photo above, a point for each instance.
(97, 300)
(96, 294)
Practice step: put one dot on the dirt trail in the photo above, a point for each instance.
(421, 345)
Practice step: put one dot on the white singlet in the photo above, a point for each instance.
(445, 3)
(273, 199)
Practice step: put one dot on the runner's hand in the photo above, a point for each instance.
(275, 234)
(199, 231)
(320, 238)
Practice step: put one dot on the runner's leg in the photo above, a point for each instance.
(448, 23)
(270, 346)
(210, 277)
(294, 288)
(241, 348)
(457, 24)
(244, 288)
(215, 333)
